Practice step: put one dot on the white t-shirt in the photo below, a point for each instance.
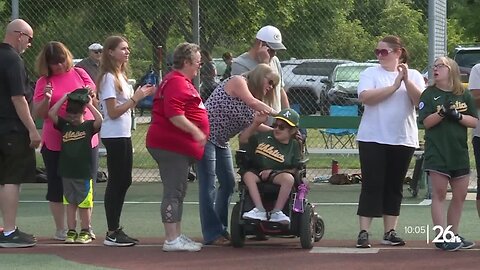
(245, 63)
(474, 83)
(392, 121)
(121, 126)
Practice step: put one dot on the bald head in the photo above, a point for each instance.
(19, 34)
(18, 25)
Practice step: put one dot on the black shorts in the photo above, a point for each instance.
(271, 175)
(452, 174)
(17, 159)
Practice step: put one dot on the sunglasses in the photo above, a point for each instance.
(271, 83)
(270, 50)
(30, 39)
(382, 52)
(280, 126)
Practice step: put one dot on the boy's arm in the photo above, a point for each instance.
(97, 124)
(53, 112)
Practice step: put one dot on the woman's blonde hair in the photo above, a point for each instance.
(256, 85)
(52, 53)
(108, 64)
(453, 75)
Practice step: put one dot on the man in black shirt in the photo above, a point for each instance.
(18, 134)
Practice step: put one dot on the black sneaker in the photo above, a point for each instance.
(465, 243)
(17, 239)
(119, 239)
(362, 240)
(391, 238)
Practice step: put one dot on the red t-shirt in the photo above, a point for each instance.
(176, 95)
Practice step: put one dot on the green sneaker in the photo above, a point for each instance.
(71, 236)
(84, 237)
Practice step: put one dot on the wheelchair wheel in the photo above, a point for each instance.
(237, 232)
(307, 227)
(319, 228)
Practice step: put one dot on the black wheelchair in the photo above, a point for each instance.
(307, 225)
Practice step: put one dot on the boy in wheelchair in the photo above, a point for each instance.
(275, 156)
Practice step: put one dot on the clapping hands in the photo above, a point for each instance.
(402, 74)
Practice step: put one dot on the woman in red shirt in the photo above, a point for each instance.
(176, 137)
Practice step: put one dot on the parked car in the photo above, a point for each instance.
(341, 87)
(303, 84)
(466, 57)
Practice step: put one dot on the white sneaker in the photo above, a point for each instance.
(60, 235)
(92, 234)
(280, 217)
(255, 213)
(186, 239)
(180, 244)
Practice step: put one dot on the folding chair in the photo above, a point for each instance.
(334, 137)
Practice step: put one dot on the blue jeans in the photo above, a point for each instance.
(217, 162)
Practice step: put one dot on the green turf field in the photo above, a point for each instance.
(141, 218)
(141, 213)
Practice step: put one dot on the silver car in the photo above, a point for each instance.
(303, 84)
(341, 87)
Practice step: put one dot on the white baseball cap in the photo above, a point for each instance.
(272, 36)
(95, 47)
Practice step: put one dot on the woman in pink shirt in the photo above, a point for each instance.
(58, 77)
(176, 137)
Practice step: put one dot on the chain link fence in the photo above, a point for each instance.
(314, 31)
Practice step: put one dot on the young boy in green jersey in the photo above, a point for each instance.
(275, 155)
(75, 160)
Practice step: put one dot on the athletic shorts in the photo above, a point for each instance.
(78, 192)
(17, 159)
(451, 174)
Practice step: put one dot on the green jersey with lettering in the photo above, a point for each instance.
(446, 144)
(268, 153)
(76, 154)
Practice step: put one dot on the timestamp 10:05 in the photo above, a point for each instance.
(440, 234)
(417, 229)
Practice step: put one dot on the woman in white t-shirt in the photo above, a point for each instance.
(387, 137)
(116, 103)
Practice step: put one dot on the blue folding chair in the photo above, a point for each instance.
(343, 137)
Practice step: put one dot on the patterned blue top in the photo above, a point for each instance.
(227, 115)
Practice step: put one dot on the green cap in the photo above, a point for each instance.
(79, 95)
(290, 116)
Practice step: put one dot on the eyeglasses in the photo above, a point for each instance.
(97, 51)
(437, 66)
(280, 126)
(382, 52)
(30, 39)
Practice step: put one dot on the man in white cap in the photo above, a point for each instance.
(268, 40)
(91, 64)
